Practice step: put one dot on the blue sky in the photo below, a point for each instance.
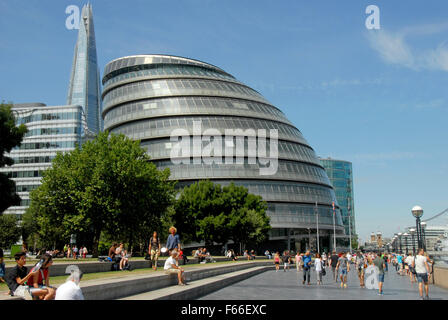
(377, 98)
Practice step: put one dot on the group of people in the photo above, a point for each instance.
(75, 252)
(417, 268)
(35, 284)
(119, 256)
(203, 255)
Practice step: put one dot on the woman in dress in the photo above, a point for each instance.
(319, 267)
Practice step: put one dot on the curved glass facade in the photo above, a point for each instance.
(148, 97)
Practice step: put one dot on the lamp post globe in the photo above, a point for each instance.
(417, 211)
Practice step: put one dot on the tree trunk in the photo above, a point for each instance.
(96, 241)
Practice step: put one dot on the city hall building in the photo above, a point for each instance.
(151, 97)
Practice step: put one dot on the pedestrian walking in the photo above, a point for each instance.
(409, 260)
(307, 268)
(333, 263)
(298, 261)
(154, 249)
(360, 266)
(400, 264)
(277, 261)
(343, 267)
(379, 263)
(286, 260)
(318, 264)
(422, 269)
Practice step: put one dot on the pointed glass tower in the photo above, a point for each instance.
(84, 88)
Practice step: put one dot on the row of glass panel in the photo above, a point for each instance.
(26, 188)
(40, 159)
(49, 117)
(53, 131)
(162, 148)
(286, 191)
(189, 105)
(47, 145)
(152, 128)
(302, 214)
(286, 170)
(24, 174)
(139, 62)
(155, 88)
(166, 70)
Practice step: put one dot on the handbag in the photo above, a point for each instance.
(323, 271)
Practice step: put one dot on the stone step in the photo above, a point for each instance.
(198, 288)
(110, 289)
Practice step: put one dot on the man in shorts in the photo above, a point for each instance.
(19, 276)
(171, 266)
(422, 269)
(379, 263)
(344, 267)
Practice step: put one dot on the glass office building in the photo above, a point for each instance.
(340, 173)
(84, 88)
(148, 97)
(50, 129)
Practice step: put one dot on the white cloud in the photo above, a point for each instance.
(393, 47)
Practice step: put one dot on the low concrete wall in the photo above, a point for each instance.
(117, 288)
(441, 276)
(58, 269)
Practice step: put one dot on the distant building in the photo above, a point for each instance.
(50, 129)
(84, 88)
(340, 173)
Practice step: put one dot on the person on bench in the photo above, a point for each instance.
(41, 280)
(171, 266)
(19, 276)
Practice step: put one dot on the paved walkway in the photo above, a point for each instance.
(281, 285)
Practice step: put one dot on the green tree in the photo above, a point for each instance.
(109, 185)
(249, 222)
(208, 212)
(199, 213)
(9, 230)
(10, 137)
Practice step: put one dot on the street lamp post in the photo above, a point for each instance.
(423, 224)
(412, 231)
(350, 224)
(334, 227)
(317, 220)
(399, 238)
(406, 235)
(417, 212)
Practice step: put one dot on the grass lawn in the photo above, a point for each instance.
(56, 281)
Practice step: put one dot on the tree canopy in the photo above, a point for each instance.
(211, 213)
(10, 137)
(108, 185)
(9, 230)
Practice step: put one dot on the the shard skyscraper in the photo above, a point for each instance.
(84, 88)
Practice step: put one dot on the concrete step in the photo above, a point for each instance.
(198, 288)
(110, 289)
